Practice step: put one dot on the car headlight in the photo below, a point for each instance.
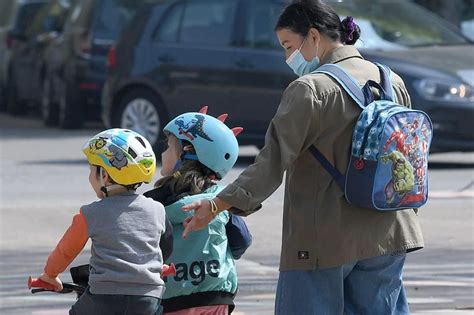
(445, 91)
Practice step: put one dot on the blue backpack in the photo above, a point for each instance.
(388, 168)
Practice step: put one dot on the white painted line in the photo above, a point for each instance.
(51, 312)
(251, 267)
(434, 283)
(428, 300)
(448, 278)
(450, 266)
(441, 194)
(445, 312)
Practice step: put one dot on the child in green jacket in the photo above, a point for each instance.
(201, 150)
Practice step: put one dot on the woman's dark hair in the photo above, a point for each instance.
(192, 178)
(302, 15)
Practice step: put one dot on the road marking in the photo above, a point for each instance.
(428, 300)
(445, 312)
(449, 194)
(51, 312)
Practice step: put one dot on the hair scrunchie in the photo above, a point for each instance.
(349, 27)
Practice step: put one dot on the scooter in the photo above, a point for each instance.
(80, 279)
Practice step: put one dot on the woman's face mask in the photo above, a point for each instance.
(299, 64)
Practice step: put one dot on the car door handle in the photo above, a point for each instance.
(166, 58)
(184, 75)
(244, 64)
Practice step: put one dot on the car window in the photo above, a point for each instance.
(168, 29)
(208, 23)
(412, 25)
(50, 18)
(6, 7)
(26, 14)
(260, 24)
(114, 15)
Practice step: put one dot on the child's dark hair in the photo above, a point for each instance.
(302, 15)
(128, 187)
(192, 177)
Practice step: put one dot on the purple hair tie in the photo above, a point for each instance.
(349, 27)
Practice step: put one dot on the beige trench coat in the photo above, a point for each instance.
(320, 228)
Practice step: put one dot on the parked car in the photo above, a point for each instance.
(178, 55)
(467, 28)
(27, 67)
(15, 16)
(76, 66)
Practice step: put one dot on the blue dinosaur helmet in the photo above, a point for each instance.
(215, 144)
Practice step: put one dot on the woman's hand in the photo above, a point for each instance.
(54, 281)
(202, 216)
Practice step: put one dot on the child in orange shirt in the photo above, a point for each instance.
(126, 230)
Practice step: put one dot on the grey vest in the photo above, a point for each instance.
(126, 257)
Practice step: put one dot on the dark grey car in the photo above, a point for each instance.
(27, 58)
(15, 18)
(76, 65)
(179, 55)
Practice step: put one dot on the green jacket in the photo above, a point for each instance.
(320, 228)
(203, 261)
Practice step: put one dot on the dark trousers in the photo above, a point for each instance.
(103, 304)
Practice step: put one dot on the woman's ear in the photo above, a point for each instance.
(314, 36)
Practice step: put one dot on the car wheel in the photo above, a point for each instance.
(141, 110)
(70, 111)
(49, 108)
(14, 106)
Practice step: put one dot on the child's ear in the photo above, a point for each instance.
(105, 176)
(189, 148)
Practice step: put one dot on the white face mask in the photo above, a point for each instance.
(299, 65)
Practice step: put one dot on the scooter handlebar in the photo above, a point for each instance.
(168, 270)
(38, 283)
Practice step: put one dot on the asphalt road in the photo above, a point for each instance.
(44, 180)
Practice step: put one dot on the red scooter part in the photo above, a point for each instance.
(38, 283)
(168, 270)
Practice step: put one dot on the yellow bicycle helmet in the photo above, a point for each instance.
(126, 155)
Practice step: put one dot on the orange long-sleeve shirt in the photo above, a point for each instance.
(70, 245)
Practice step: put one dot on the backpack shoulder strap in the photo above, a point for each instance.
(335, 174)
(386, 82)
(346, 81)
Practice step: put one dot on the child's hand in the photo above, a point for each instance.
(54, 281)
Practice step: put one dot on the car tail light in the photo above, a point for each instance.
(9, 41)
(112, 57)
(89, 86)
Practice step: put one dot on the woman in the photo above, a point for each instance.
(336, 258)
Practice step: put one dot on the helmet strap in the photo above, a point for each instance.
(189, 156)
(102, 184)
(106, 189)
(184, 156)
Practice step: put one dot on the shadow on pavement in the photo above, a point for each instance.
(245, 161)
(449, 165)
(56, 162)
